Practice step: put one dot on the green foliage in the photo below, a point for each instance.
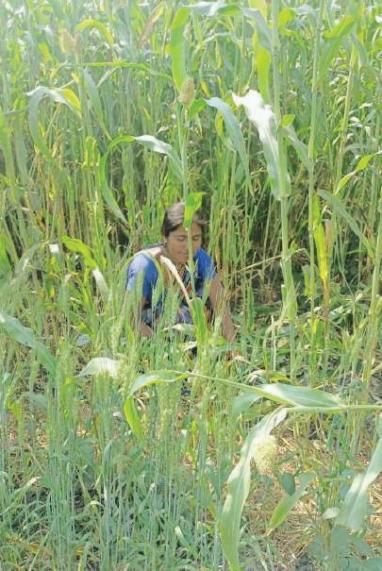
(117, 451)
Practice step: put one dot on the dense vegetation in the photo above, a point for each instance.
(109, 112)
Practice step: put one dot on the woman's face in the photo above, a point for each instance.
(177, 243)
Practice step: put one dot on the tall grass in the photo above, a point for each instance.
(109, 112)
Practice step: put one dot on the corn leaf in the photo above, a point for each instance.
(101, 366)
(341, 29)
(132, 417)
(193, 203)
(90, 23)
(177, 47)
(238, 487)
(287, 503)
(298, 396)
(361, 165)
(76, 245)
(320, 241)
(153, 378)
(25, 336)
(162, 148)
(233, 129)
(354, 509)
(339, 208)
(36, 96)
(262, 116)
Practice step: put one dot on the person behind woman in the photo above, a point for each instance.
(143, 272)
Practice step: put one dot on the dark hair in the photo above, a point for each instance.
(174, 217)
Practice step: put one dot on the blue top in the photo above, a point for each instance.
(143, 265)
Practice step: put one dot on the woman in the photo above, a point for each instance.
(143, 272)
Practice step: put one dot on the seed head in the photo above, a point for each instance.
(265, 454)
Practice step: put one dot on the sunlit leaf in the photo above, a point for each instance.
(76, 245)
(101, 366)
(193, 203)
(233, 129)
(262, 116)
(153, 378)
(90, 23)
(238, 487)
(354, 508)
(177, 47)
(298, 396)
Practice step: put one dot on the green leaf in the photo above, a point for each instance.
(263, 60)
(101, 284)
(361, 165)
(287, 120)
(104, 31)
(286, 16)
(243, 402)
(262, 28)
(341, 29)
(95, 100)
(212, 9)
(25, 336)
(286, 504)
(132, 417)
(193, 203)
(147, 141)
(339, 208)
(196, 107)
(238, 487)
(71, 99)
(320, 241)
(233, 129)
(288, 482)
(155, 377)
(177, 47)
(76, 245)
(57, 96)
(163, 148)
(354, 508)
(298, 396)
(300, 147)
(101, 366)
(262, 116)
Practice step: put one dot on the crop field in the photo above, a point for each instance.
(184, 451)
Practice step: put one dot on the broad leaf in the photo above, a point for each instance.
(25, 336)
(193, 203)
(101, 366)
(155, 377)
(177, 47)
(286, 504)
(238, 487)
(262, 116)
(233, 129)
(298, 396)
(354, 508)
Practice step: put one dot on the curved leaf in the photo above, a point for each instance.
(354, 509)
(25, 336)
(238, 486)
(233, 129)
(298, 396)
(283, 508)
(155, 377)
(101, 366)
